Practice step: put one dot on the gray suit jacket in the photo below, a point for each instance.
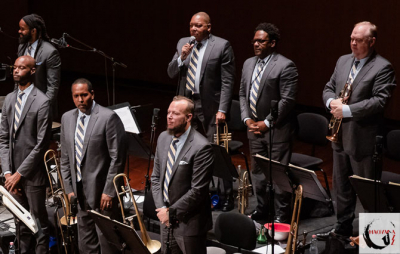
(371, 90)
(48, 68)
(31, 138)
(188, 188)
(279, 82)
(104, 153)
(216, 79)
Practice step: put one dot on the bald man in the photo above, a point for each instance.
(372, 80)
(24, 138)
(206, 72)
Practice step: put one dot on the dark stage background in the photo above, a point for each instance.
(143, 35)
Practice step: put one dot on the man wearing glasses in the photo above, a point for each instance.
(372, 80)
(267, 77)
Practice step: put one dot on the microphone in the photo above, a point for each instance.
(155, 116)
(274, 109)
(74, 206)
(192, 40)
(61, 42)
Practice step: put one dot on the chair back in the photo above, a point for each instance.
(392, 144)
(235, 122)
(236, 229)
(313, 128)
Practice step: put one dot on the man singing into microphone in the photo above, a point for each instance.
(34, 41)
(266, 77)
(206, 71)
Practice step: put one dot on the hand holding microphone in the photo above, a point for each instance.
(187, 48)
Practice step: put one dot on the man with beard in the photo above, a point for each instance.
(93, 151)
(182, 172)
(372, 79)
(34, 41)
(206, 72)
(24, 138)
(266, 77)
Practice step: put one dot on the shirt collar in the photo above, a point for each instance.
(81, 114)
(34, 45)
(184, 136)
(27, 90)
(265, 59)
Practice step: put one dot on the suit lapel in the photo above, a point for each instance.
(364, 70)
(207, 53)
(28, 103)
(164, 159)
(343, 80)
(266, 72)
(89, 128)
(73, 128)
(12, 110)
(250, 78)
(21, 49)
(186, 147)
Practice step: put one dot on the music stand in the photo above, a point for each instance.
(136, 146)
(122, 236)
(388, 194)
(289, 177)
(223, 166)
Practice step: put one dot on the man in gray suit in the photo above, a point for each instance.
(267, 77)
(182, 172)
(93, 151)
(372, 80)
(24, 138)
(34, 41)
(206, 72)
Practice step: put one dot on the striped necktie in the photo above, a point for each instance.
(191, 74)
(80, 136)
(353, 72)
(18, 111)
(254, 89)
(170, 163)
(29, 52)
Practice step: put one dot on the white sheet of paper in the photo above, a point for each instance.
(277, 249)
(138, 199)
(127, 119)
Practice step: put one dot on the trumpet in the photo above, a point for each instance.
(294, 225)
(59, 197)
(224, 137)
(152, 245)
(243, 192)
(335, 123)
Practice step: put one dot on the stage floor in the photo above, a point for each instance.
(311, 225)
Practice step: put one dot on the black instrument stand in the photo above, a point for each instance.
(152, 138)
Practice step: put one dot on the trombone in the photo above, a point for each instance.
(60, 198)
(152, 245)
(292, 244)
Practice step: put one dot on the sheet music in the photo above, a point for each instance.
(262, 250)
(127, 119)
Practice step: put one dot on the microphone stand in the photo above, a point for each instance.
(271, 210)
(376, 158)
(112, 59)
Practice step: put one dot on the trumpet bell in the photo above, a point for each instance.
(72, 221)
(334, 138)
